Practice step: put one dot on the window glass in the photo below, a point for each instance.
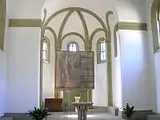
(102, 50)
(45, 51)
(72, 47)
(158, 24)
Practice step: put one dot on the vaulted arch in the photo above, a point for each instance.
(87, 38)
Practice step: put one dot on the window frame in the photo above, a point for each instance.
(47, 41)
(73, 42)
(158, 24)
(99, 61)
(154, 17)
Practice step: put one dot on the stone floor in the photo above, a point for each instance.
(90, 116)
(99, 113)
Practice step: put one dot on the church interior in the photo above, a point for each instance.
(101, 54)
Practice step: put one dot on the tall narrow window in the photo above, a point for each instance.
(72, 46)
(45, 50)
(101, 51)
(158, 24)
(155, 22)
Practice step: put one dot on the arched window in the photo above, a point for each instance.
(101, 51)
(72, 46)
(45, 49)
(155, 22)
(158, 24)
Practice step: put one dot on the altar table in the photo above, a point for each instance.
(82, 108)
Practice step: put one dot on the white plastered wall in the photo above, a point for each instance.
(117, 78)
(137, 81)
(130, 10)
(22, 58)
(2, 83)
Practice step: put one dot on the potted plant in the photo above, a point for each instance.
(39, 113)
(128, 111)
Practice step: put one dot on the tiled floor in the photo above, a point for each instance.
(90, 116)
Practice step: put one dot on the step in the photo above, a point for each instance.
(18, 116)
(154, 117)
(98, 109)
(113, 110)
(6, 118)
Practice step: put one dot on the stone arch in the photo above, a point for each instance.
(103, 27)
(79, 10)
(76, 9)
(74, 34)
(73, 42)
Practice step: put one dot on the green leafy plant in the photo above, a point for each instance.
(128, 111)
(39, 113)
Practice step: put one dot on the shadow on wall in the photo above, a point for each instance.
(130, 10)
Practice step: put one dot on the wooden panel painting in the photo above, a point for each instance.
(75, 69)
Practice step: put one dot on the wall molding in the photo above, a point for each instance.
(18, 22)
(24, 22)
(132, 26)
(122, 25)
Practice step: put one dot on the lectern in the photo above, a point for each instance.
(82, 108)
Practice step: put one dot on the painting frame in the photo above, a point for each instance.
(75, 75)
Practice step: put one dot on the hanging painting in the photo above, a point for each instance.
(75, 69)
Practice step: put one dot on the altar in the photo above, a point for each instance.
(82, 108)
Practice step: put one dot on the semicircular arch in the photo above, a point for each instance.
(49, 19)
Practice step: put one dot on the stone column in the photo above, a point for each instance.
(109, 75)
(2, 22)
(109, 60)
